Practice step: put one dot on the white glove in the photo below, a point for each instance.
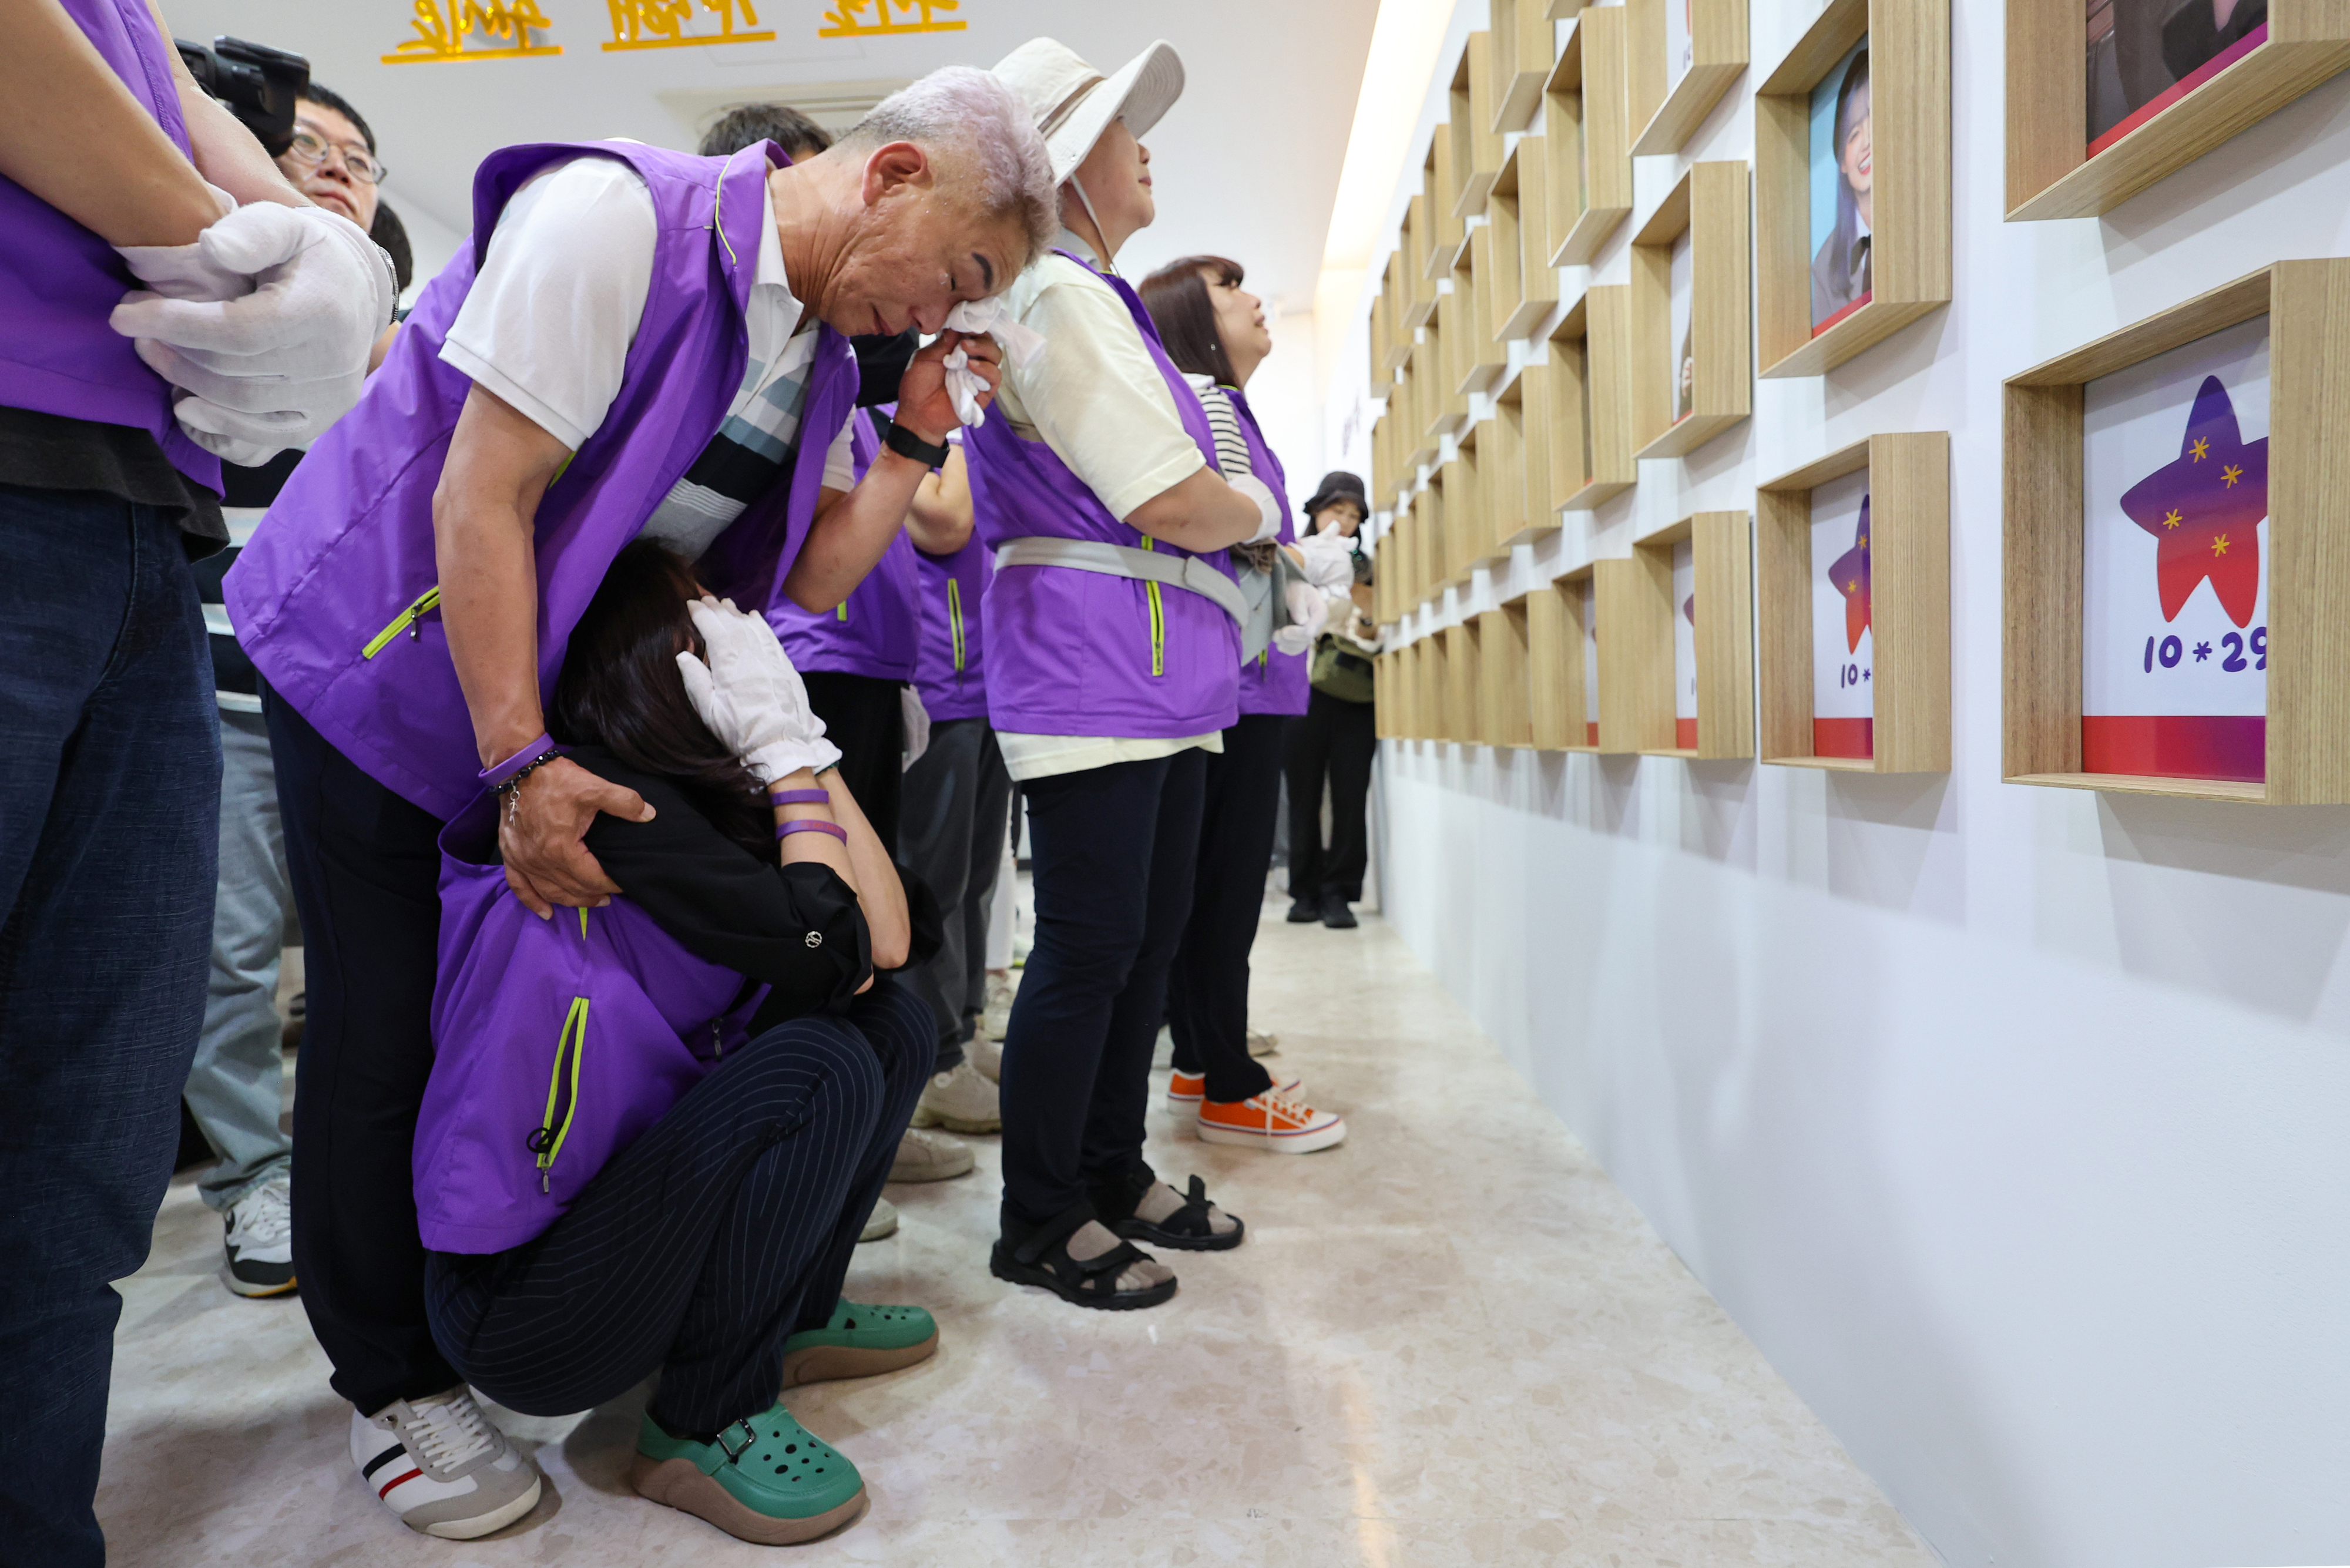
(749, 694)
(266, 319)
(1270, 511)
(1021, 344)
(1309, 612)
(1329, 561)
(916, 720)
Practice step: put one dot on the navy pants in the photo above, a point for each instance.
(1336, 739)
(110, 834)
(1208, 989)
(1113, 850)
(704, 1245)
(951, 837)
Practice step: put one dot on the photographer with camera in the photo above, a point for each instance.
(151, 246)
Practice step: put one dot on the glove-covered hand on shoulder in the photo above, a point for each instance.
(268, 320)
(749, 694)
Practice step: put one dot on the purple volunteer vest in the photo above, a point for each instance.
(948, 674)
(1274, 681)
(1080, 653)
(60, 282)
(871, 632)
(336, 599)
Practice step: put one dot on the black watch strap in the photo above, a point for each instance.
(906, 443)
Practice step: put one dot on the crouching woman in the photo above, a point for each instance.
(654, 1128)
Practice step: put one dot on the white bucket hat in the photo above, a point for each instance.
(1074, 103)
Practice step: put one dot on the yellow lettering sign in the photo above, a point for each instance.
(501, 30)
(662, 23)
(871, 19)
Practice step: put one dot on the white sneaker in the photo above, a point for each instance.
(882, 1222)
(961, 1101)
(441, 1468)
(998, 1016)
(987, 1055)
(929, 1157)
(260, 1240)
(1263, 1043)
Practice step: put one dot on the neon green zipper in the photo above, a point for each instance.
(955, 619)
(426, 603)
(1157, 617)
(842, 609)
(562, 1085)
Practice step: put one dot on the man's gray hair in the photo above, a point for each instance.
(963, 110)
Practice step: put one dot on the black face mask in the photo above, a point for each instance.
(882, 361)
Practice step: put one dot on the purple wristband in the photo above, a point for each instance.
(810, 824)
(800, 798)
(498, 772)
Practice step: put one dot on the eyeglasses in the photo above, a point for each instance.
(310, 148)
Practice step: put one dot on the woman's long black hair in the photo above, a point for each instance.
(621, 690)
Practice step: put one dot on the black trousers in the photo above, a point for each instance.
(1207, 991)
(862, 716)
(1113, 850)
(951, 837)
(705, 1243)
(366, 873)
(1338, 740)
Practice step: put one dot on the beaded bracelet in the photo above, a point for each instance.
(810, 824)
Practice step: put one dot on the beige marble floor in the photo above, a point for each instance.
(1451, 1341)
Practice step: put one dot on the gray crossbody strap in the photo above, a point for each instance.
(1187, 572)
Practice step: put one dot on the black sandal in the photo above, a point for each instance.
(1187, 1230)
(1044, 1259)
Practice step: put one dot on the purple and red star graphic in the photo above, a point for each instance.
(2205, 508)
(1850, 576)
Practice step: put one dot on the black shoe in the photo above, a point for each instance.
(1336, 915)
(1304, 912)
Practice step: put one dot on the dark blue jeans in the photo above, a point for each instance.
(109, 831)
(1115, 848)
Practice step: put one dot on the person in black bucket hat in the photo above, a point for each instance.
(1336, 738)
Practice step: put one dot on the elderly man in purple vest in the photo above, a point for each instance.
(118, 173)
(635, 343)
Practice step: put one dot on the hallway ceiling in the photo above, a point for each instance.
(1247, 161)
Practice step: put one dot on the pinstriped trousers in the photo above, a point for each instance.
(704, 1245)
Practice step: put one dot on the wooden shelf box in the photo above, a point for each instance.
(1476, 146)
(1504, 711)
(1446, 233)
(1708, 207)
(1636, 687)
(1521, 50)
(1480, 357)
(1585, 125)
(1669, 100)
(2052, 171)
(1694, 618)
(1460, 718)
(1590, 366)
(1463, 513)
(2294, 746)
(1562, 663)
(1523, 432)
(1522, 288)
(1385, 701)
(1396, 293)
(1875, 516)
(1907, 44)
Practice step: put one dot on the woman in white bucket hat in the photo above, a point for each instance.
(1113, 664)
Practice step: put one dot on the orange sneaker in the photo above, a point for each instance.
(1270, 1121)
(1185, 1090)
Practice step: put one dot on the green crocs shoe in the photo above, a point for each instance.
(860, 1340)
(764, 1479)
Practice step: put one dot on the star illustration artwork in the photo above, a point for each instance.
(1850, 576)
(2203, 508)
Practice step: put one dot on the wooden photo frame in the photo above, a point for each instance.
(1526, 431)
(1906, 43)
(1562, 664)
(1586, 124)
(1480, 356)
(1476, 145)
(1521, 286)
(1903, 591)
(1520, 34)
(1708, 205)
(1504, 710)
(1590, 365)
(2052, 171)
(1420, 303)
(1445, 231)
(1694, 618)
(1462, 716)
(1636, 685)
(1669, 105)
(2302, 741)
(1464, 511)
(1387, 696)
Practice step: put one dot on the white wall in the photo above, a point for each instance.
(2013, 1123)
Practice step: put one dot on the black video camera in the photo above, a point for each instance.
(257, 83)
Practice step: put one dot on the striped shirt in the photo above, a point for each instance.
(1232, 447)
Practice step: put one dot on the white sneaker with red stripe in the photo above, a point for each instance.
(1271, 1122)
(441, 1468)
(1185, 1090)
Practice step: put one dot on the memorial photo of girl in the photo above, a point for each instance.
(1841, 266)
(2144, 54)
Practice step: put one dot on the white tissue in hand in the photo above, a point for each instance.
(1020, 344)
(1329, 560)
